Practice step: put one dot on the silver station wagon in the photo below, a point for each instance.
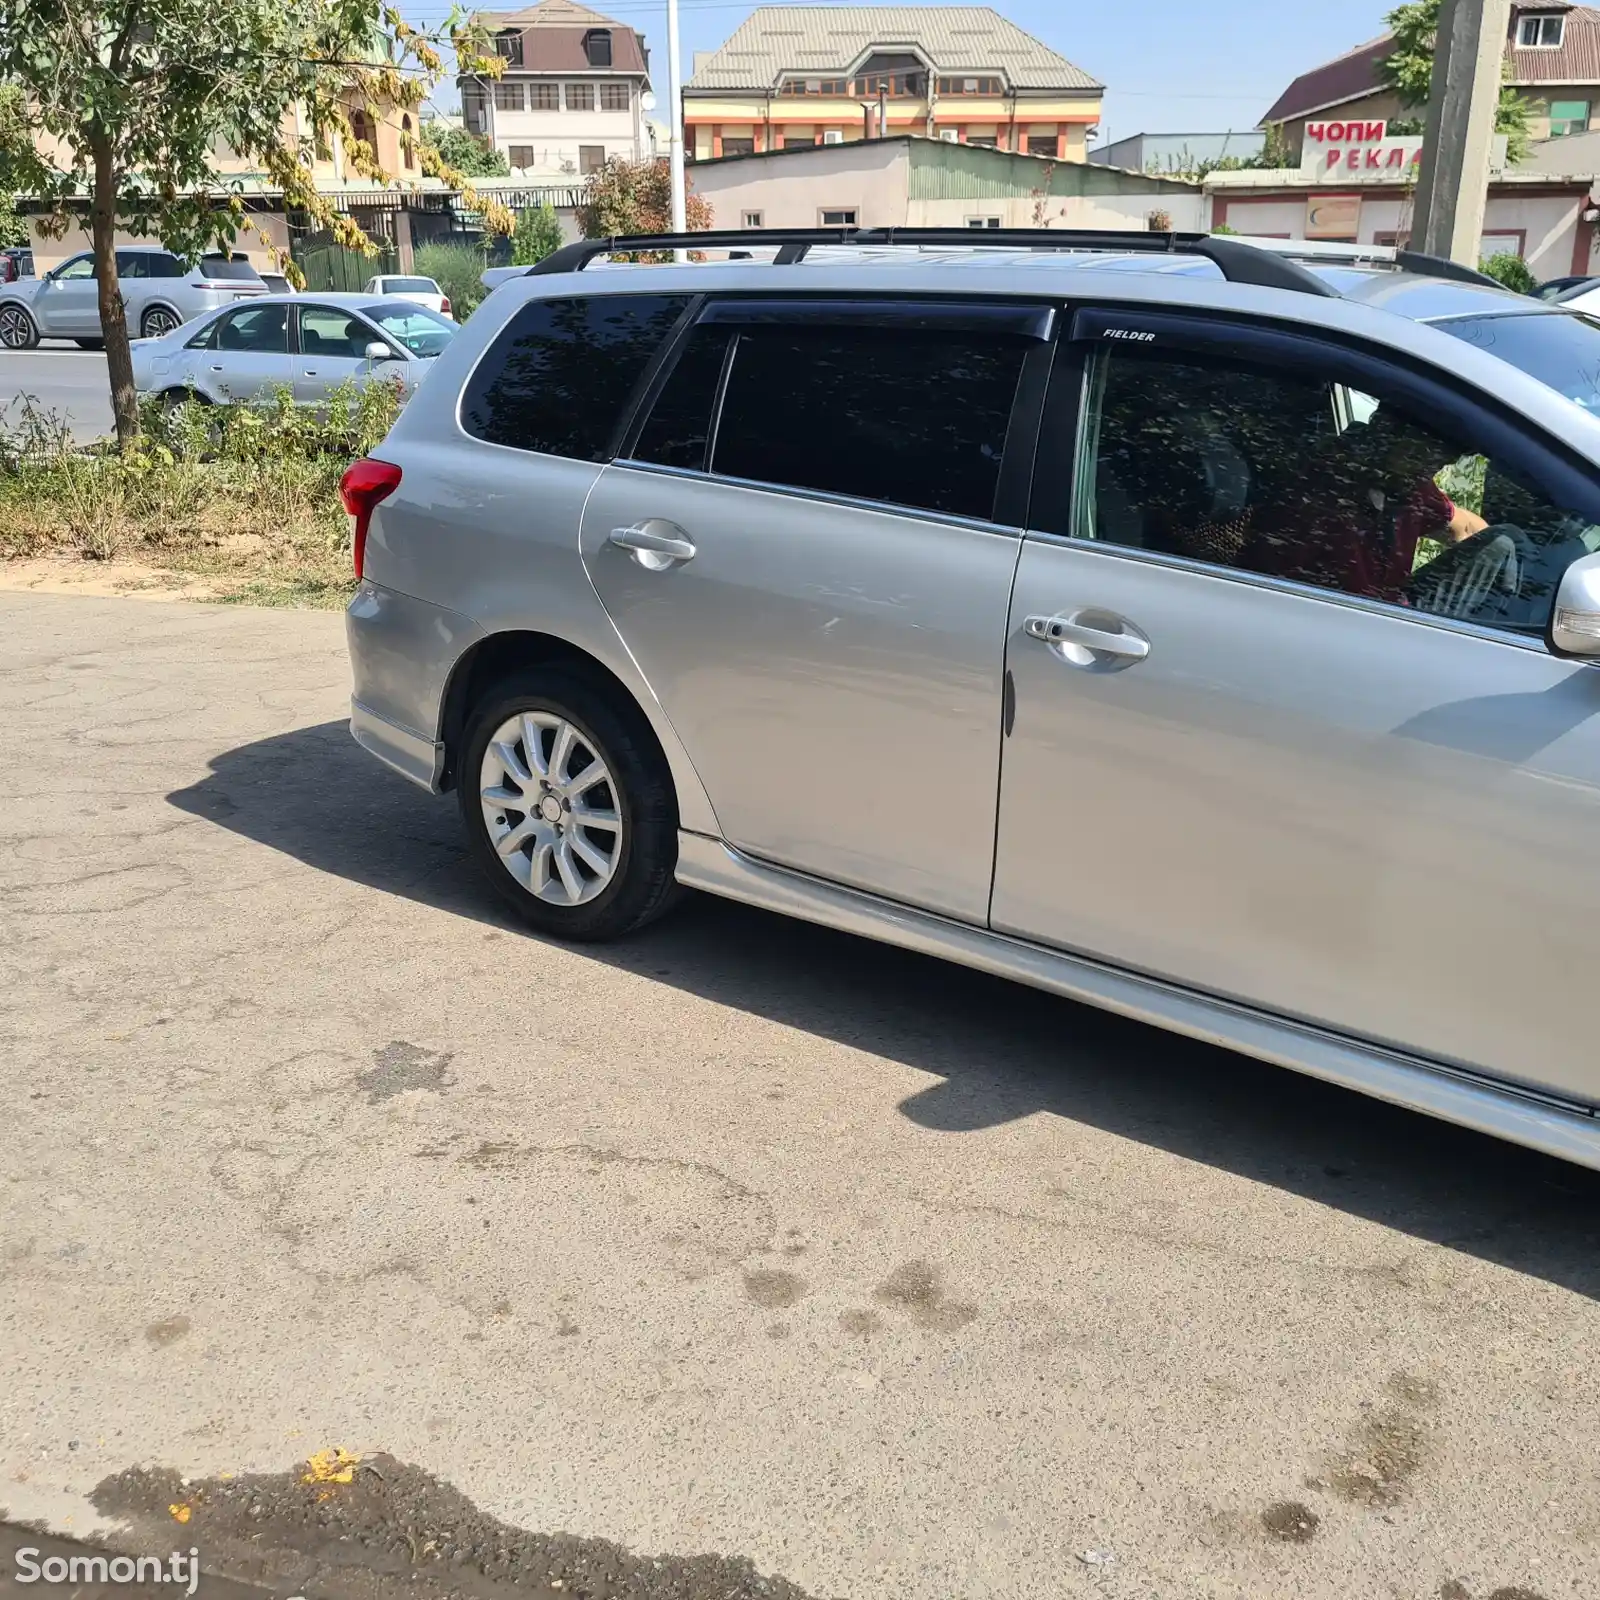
(1161, 621)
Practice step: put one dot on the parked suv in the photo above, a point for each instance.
(160, 294)
(15, 262)
(1194, 634)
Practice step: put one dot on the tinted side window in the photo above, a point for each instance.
(262, 330)
(132, 264)
(679, 425)
(162, 265)
(1294, 476)
(912, 417)
(559, 375)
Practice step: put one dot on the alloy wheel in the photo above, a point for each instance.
(550, 808)
(158, 322)
(16, 329)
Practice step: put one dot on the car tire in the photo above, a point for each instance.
(171, 399)
(18, 330)
(90, 344)
(521, 815)
(158, 321)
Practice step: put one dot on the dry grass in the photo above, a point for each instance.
(246, 496)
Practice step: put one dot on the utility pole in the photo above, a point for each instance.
(680, 216)
(1453, 185)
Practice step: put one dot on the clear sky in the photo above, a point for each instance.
(1169, 66)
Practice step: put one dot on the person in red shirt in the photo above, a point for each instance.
(1358, 524)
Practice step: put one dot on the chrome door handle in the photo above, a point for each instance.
(654, 544)
(1081, 642)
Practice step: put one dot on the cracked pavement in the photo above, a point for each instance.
(742, 1237)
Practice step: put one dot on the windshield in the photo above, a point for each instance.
(1561, 349)
(421, 331)
(409, 286)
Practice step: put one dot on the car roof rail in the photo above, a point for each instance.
(1237, 261)
(1442, 267)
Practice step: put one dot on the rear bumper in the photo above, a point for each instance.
(412, 756)
(402, 651)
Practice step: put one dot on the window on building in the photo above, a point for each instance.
(978, 86)
(828, 88)
(679, 425)
(580, 97)
(507, 96)
(474, 113)
(597, 47)
(912, 418)
(559, 376)
(983, 222)
(839, 219)
(1541, 32)
(591, 158)
(546, 96)
(408, 148)
(738, 147)
(521, 155)
(509, 46)
(1568, 116)
(1291, 475)
(614, 97)
(794, 141)
(750, 219)
(984, 141)
(1041, 144)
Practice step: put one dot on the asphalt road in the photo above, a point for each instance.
(61, 378)
(739, 1238)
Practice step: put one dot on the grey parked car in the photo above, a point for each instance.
(1194, 634)
(157, 289)
(308, 343)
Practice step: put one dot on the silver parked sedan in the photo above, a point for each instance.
(308, 343)
(159, 291)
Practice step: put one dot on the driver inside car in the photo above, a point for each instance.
(1362, 516)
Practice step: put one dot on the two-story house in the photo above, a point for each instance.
(572, 94)
(1552, 60)
(809, 75)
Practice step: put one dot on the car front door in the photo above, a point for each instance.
(1285, 727)
(808, 548)
(67, 305)
(332, 350)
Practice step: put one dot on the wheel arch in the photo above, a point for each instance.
(497, 656)
(160, 303)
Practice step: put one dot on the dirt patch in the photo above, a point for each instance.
(122, 579)
(400, 1066)
(1386, 1452)
(914, 1287)
(340, 1529)
(1291, 1522)
(774, 1290)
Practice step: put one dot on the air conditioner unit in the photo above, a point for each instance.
(832, 136)
(950, 136)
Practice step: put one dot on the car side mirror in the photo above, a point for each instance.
(377, 351)
(1575, 618)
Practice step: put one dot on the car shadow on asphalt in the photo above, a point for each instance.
(1000, 1050)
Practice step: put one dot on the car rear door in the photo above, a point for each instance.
(1270, 739)
(808, 547)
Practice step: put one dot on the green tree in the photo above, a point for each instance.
(1512, 271)
(538, 235)
(15, 138)
(458, 270)
(134, 97)
(1408, 70)
(466, 153)
(625, 197)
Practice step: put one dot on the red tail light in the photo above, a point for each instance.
(444, 310)
(363, 487)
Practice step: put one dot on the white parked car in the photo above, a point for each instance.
(423, 290)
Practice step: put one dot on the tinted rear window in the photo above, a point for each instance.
(560, 374)
(680, 421)
(908, 416)
(226, 269)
